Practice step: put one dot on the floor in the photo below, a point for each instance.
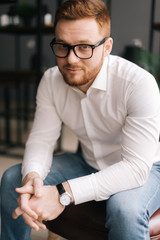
(69, 142)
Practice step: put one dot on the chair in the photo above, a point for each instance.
(86, 221)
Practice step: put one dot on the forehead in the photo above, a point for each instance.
(77, 30)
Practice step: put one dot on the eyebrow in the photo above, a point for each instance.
(78, 42)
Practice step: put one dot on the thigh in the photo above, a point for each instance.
(146, 196)
(134, 207)
(67, 166)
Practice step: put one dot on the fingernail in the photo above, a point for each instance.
(38, 194)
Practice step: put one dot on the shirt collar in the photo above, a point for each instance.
(100, 81)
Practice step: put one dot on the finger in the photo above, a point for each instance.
(31, 222)
(40, 224)
(17, 212)
(38, 184)
(18, 200)
(25, 189)
(24, 205)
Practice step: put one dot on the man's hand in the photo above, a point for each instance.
(37, 202)
(47, 207)
(33, 182)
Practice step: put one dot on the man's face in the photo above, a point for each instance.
(80, 72)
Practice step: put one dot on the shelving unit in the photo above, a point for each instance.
(20, 81)
(20, 114)
(25, 30)
(154, 26)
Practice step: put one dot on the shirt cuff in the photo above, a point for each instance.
(84, 189)
(34, 167)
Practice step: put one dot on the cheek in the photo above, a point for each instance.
(94, 61)
(60, 62)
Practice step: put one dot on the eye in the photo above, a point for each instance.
(62, 46)
(84, 47)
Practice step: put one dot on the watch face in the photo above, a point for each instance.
(65, 199)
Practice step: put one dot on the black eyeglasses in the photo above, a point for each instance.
(82, 51)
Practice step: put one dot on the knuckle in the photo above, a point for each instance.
(45, 217)
(24, 207)
(39, 212)
(25, 217)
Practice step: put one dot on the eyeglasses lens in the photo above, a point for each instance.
(82, 50)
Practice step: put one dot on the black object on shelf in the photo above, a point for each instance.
(154, 26)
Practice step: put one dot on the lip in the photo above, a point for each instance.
(73, 70)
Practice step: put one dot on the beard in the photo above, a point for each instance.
(82, 77)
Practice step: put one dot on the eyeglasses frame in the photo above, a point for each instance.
(72, 47)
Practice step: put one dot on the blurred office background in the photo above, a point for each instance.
(25, 54)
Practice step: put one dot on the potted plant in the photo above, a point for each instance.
(26, 11)
(144, 59)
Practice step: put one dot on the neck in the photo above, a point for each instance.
(86, 86)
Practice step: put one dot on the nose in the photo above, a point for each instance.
(72, 58)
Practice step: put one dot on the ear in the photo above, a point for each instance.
(108, 46)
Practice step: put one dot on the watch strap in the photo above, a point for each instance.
(60, 188)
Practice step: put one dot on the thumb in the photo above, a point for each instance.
(37, 185)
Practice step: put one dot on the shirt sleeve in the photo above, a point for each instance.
(140, 134)
(44, 134)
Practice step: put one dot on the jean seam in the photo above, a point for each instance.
(146, 208)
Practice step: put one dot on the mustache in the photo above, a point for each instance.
(73, 66)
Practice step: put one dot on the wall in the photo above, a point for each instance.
(130, 20)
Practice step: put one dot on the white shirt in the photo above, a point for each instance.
(117, 122)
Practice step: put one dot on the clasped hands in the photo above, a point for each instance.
(37, 202)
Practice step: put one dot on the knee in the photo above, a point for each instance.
(11, 177)
(10, 180)
(123, 210)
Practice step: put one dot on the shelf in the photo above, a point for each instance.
(21, 114)
(9, 77)
(8, 1)
(19, 86)
(26, 30)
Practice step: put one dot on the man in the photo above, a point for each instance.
(113, 106)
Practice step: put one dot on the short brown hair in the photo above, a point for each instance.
(78, 9)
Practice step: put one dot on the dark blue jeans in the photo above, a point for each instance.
(127, 215)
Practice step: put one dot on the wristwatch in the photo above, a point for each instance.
(65, 197)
